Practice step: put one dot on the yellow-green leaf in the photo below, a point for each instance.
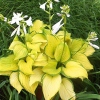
(37, 38)
(37, 26)
(81, 58)
(89, 51)
(26, 66)
(20, 51)
(51, 85)
(15, 82)
(51, 46)
(41, 60)
(8, 63)
(51, 69)
(74, 70)
(5, 73)
(24, 80)
(66, 90)
(62, 52)
(76, 45)
(36, 77)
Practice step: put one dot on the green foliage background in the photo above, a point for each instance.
(85, 17)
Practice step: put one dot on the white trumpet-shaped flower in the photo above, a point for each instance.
(51, 7)
(94, 46)
(16, 18)
(16, 31)
(57, 26)
(56, 0)
(42, 6)
(29, 21)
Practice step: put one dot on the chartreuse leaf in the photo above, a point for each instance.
(37, 27)
(89, 50)
(62, 52)
(38, 38)
(8, 63)
(74, 70)
(24, 80)
(15, 82)
(26, 66)
(51, 85)
(51, 69)
(34, 46)
(41, 60)
(66, 90)
(76, 45)
(6, 73)
(20, 51)
(51, 46)
(81, 58)
(36, 77)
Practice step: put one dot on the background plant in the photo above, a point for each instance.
(85, 17)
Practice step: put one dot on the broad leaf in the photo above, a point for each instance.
(8, 63)
(81, 58)
(51, 46)
(66, 90)
(62, 52)
(51, 69)
(51, 85)
(15, 82)
(26, 66)
(36, 77)
(24, 80)
(74, 70)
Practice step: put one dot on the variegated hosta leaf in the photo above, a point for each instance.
(62, 52)
(20, 51)
(37, 27)
(41, 60)
(51, 46)
(26, 66)
(38, 38)
(14, 81)
(74, 70)
(66, 90)
(89, 51)
(5, 73)
(76, 45)
(51, 69)
(81, 58)
(24, 80)
(34, 46)
(36, 77)
(51, 85)
(8, 63)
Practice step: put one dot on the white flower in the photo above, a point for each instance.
(5, 19)
(57, 26)
(93, 45)
(16, 18)
(43, 6)
(68, 15)
(51, 5)
(29, 22)
(56, 0)
(16, 31)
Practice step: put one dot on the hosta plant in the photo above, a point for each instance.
(46, 55)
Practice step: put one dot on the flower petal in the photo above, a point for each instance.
(66, 90)
(51, 86)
